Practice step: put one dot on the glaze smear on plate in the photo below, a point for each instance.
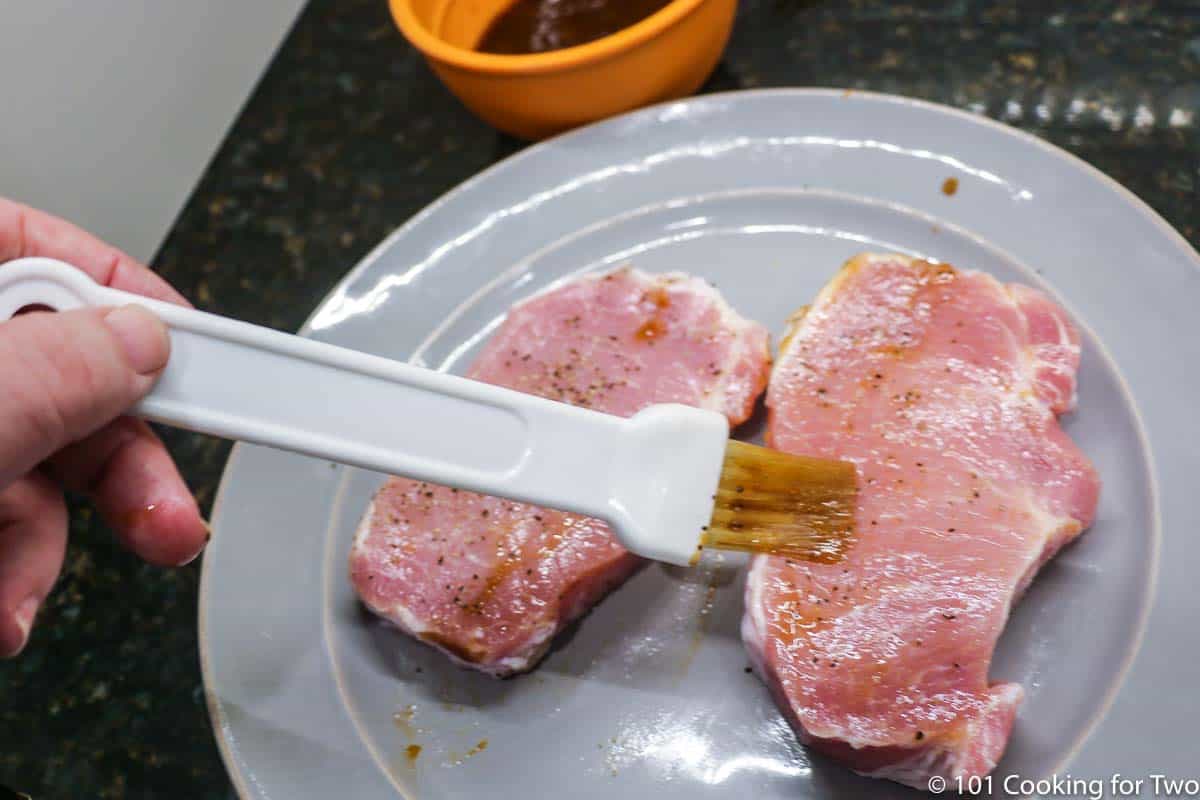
(490, 581)
(943, 387)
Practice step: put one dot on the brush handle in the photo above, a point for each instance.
(241, 381)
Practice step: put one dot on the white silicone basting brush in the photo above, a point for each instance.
(668, 480)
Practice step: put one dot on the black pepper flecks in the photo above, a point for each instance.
(349, 134)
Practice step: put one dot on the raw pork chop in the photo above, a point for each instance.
(489, 581)
(943, 388)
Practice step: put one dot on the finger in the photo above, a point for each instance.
(63, 376)
(135, 486)
(33, 539)
(25, 231)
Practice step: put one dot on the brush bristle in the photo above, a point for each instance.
(781, 504)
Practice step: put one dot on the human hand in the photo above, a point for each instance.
(65, 381)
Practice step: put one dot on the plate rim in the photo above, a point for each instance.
(217, 718)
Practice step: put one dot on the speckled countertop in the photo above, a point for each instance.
(348, 134)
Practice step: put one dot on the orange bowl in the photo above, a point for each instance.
(665, 56)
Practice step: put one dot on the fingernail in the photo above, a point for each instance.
(203, 545)
(143, 337)
(192, 557)
(24, 615)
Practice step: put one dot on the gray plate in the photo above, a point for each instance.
(765, 194)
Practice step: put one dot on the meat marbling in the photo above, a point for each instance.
(944, 388)
(489, 581)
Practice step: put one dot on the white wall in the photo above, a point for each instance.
(110, 109)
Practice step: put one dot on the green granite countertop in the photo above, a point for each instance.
(348, 134)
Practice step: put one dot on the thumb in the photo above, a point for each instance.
(63, 376)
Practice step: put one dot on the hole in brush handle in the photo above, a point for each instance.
(36, 296)
(32, 308)
(43, 284)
